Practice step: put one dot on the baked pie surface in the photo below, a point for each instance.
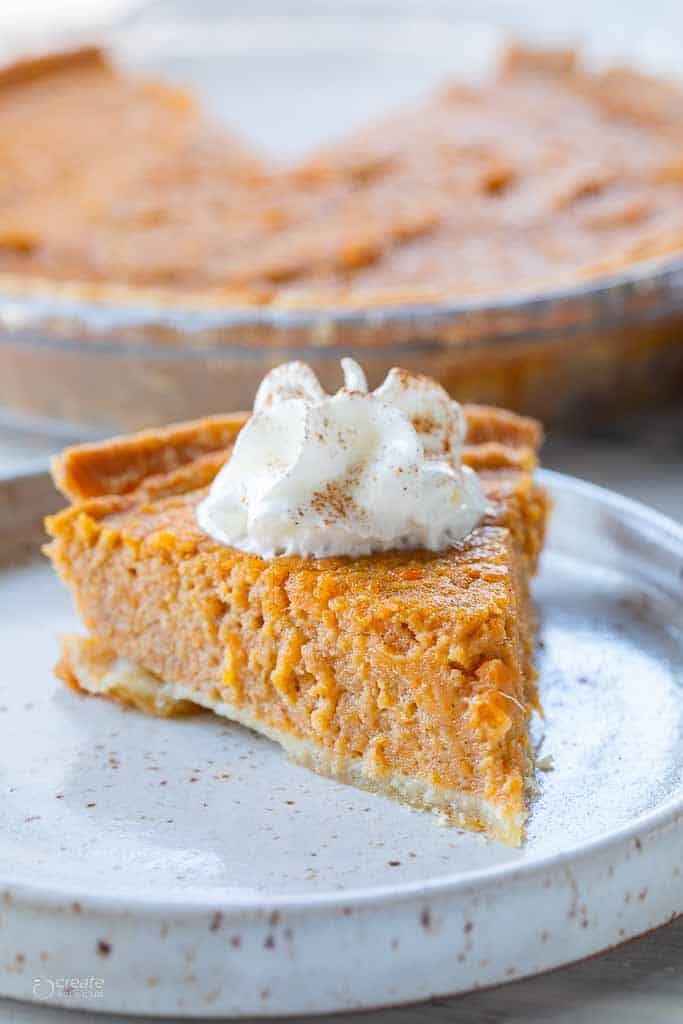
(408, 673)
(543, 176)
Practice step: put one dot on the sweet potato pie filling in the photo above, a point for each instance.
(542, 175)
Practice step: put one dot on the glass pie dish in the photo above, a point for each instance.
(86, 362)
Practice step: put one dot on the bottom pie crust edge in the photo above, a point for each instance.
(87, 667)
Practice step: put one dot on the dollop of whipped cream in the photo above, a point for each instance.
(345, 474)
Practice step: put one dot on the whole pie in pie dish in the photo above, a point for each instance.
(519, 240)
(407, 672)
(544, 175)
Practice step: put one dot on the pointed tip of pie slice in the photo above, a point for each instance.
(88, 666)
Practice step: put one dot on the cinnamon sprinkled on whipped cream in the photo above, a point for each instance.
(346, 474)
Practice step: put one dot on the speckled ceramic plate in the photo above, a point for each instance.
(184, 867)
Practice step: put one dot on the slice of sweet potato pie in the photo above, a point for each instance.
(346, 574)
